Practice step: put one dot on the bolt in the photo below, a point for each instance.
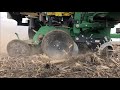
(77, 25)
(57, 45)
(77, 38)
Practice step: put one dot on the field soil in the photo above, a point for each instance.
(40, 66)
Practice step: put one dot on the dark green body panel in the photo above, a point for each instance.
(85, 23)
(46, 29)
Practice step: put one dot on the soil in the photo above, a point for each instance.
(40, 66)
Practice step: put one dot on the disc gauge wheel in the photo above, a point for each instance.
(17, 48)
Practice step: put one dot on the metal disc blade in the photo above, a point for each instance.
(57, 44)
(75, 50)
(17, 48)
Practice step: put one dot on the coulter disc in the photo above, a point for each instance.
(57, 44)
(17, 48)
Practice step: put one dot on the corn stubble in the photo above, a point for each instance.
(40, 66)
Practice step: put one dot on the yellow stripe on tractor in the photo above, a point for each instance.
(67, 13)
(59, 13)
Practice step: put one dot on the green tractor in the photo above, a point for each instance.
(62, 36)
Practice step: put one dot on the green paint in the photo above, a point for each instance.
(44, 30)
(77, 19)
(115, 35)
(86, 24)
